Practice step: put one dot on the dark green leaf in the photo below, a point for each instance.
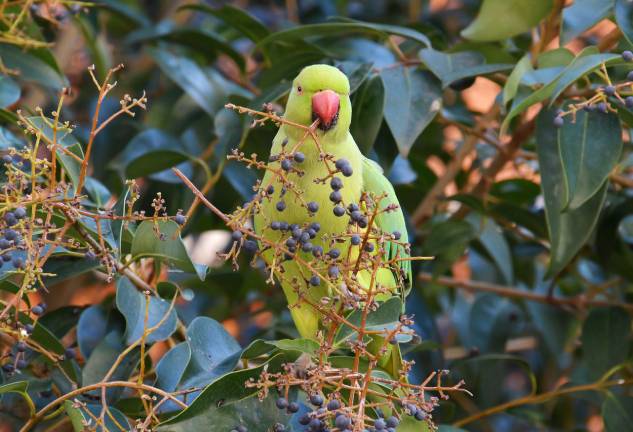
(172, 366)
(492, 239)
(367, 113)
(582, 15)
(518, 16)
(236, 18)
(617, 412)
(493, 320)
(91, 329)
(605, 339)
(19, 387)
(511, 87)
(412, 99)
(387, 314)
(85, 415)
(589, 149)
(31, 67)
(9, 91)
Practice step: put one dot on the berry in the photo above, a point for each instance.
(307, 247)
(396, 235)
(17, 262)
(336, 183)
(629, 76)
(342, 422)
(28, 328)
(340, 163)
(69, 353)
(236, 235)
(380, 424)
(10, 219)
(293, 407)
(628, 101)
(558, 121)
(241, 428)
(355, 239)
(19, 213)
(353, 207)
(305, 237)
(282, 403)
(333, 405)
(627, 55)
(6, 257)
(21, 364)
(275, 225)
(609, 90)
(311, 233)
(315, 280)
(250, 246)
(317, 251)
(420, 415)
(270, 190)
(315, 226)
(304, 420)
(299, 157)
(336, 197)
(315, 425)
(603, 108)
(291, 243)
(91, 255)
(316, 400)
(37, 310)
(369, 247)
(462, 84)
(4, 244)
(333, 272)
(334, 253)
(286, 164)
(313, 207)
(393, 422)
(7, 159)
(8, 367)
(180, 219)
(356, 215)
(283, 226)
(280, 206)
(20, 346)
(296, 233)
(338, 211)
(284, 143)
(347, 171)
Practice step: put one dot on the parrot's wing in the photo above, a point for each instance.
(374, 182)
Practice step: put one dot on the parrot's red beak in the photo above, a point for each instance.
(325, 106)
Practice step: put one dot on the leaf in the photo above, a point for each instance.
(511, 86)
(584, 63)
(387, 314)
(21, 388)
(172, 366)
(91, 329)
(367, 113)
(412, 99)
(605, 339)
(589, 149)
(80, 417)
(162, 240)
(149, 152)
(518, 16)
(356, 73)
(214, 352)
(140, 316)
(9, 91)
(123, 10)
(450, 67)
(568, 230)
(303, 345)
(31, 67)
(492, 239)
(235, 18)
(581, 16)
(493, 320)
(617, 412)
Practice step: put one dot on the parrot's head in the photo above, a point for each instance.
(321, 92)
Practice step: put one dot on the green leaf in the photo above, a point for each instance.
(91, 329)
(367, 113)
(581, 16)
(412, 99)
(450, 67)
(356, 73)
(32, 67)
(162, 240)
(624, 18)
(387, 314)
(492, 239)
(172, 366)
(604, 339)
(19, 387)
(511, 87)
(568, 230)
(490, 323)
(617, 412)
(235, 18)
(214, 352)
(586, 62)
(149, 152)
(589, 149)
(501, 19)
(140, 316)
(308, 346)
(123, 10)
(9, 91)
(80, 417)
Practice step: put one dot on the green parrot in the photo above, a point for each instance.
(322, 208)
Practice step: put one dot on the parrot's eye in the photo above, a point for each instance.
(299, 89)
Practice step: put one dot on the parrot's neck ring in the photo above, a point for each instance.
(325, 126)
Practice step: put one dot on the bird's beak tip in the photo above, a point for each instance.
(325, 106)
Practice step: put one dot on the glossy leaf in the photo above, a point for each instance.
(236, 18)
(617, 412)
(492, 239)
(9, 91)
(412, 99)
(367, 113)
(21, 388)
(162, 240)
(32, 67)
(604, 339)
(140, 316)
(582, 15)
(589, 149)
(518, 16)
(511, 87)
(91, 329)
(568, 230)
(79, 417)
(386, 314)
(172, 366)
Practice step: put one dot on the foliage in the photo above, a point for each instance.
(522, 194)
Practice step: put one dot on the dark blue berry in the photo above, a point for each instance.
(283, 226)
(380, 424)
(338, 211)
(333, 272)
(282, 403)
(8, 367)
(315, 280)
(336, 183)
(393, 422)
(333, 405)
(7, 257)
(315, 226)
(250, 246)
(356, 215)
(7, 159)
(362, 223)
(296, 233)
(293, 407)
(19, 212)
(270, 190)
(558, 121)
(236, 235)
(347, 171)
(340, 163)
(420, 415)
(10, 219)
(315, 425)
(609, 90)
(299, 157)
(334, 253)
(280, 206)
(286, 164)
(180, 219)
(4, 243)
(628, 101)
(20, 346)
(304, 420)
(307, 247)
(316, 399)
(396, 235)
(291, 242)
(37, 310)
(627, 55)
(317, 251)
(336, 197)
(305, 237)
(355, 239)
(629, 76)
(603, 108)
(369, 247)
(275, 225)
(313, 207)
(28, 328)
(353, 207)
(342, 422)
(311, 233)
(17, 262)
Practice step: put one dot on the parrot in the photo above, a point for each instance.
(320, 95)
